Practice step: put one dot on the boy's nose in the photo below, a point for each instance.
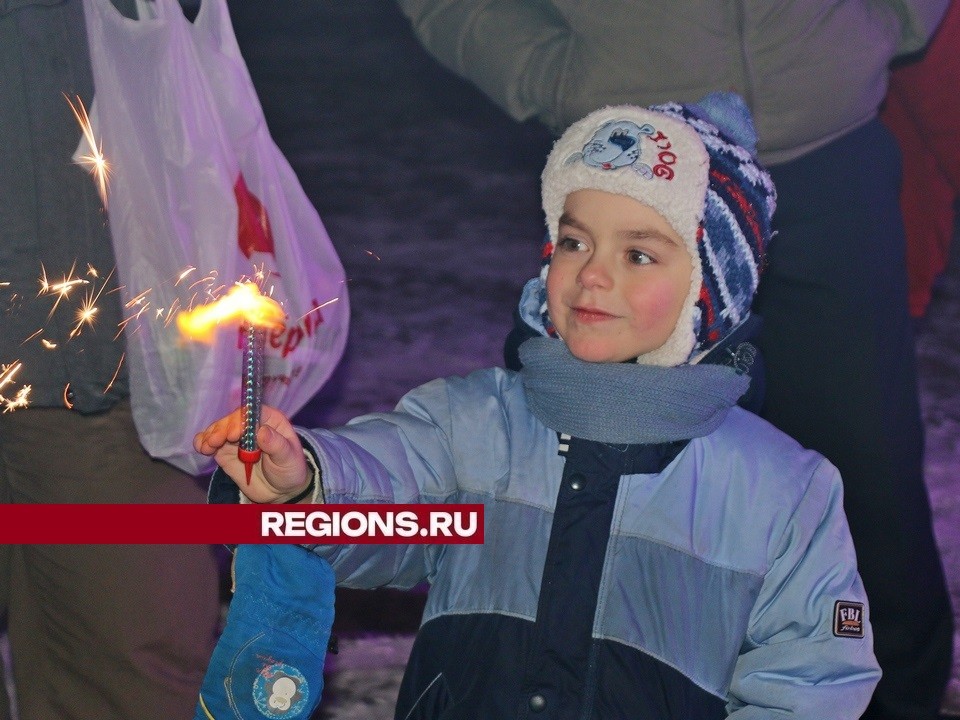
(594, 274)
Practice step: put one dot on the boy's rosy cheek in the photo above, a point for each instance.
(656, 305)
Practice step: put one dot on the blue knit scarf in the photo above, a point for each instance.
(625, 403)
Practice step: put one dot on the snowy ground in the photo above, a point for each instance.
(939, 362)
(430, 196)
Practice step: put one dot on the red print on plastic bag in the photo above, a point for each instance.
(253, 225)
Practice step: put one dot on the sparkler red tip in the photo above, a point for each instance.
(249, 458)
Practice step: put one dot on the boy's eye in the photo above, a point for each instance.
(638, 257)
(570, 244)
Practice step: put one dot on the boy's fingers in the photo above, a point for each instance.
(208, 441)
(282, 462)
(278, 423)
(276, 420)
(271, 416)
(226, 429)
(276, 444)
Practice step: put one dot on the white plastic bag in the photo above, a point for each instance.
(197, 182)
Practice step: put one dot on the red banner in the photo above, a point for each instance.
(234, 524)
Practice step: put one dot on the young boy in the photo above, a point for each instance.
(651, 549)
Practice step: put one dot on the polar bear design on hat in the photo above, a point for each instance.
(616, 144)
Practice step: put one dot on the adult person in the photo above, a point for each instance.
(107, 632)
(837, 337)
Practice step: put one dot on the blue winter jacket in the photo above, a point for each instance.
(695, 579)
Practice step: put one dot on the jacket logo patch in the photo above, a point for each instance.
(848, 619)
(280, 691)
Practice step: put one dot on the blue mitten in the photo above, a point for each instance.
(268, 662)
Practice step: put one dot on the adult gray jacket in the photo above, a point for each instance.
(810, 70)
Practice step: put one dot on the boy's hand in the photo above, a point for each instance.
(281, 472)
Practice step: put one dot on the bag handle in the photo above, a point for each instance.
(213, 16)
(149, 13)
(212, 32)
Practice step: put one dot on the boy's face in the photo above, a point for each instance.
(619, 277)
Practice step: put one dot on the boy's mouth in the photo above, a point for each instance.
(591, 315)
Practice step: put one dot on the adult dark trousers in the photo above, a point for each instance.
(112, 632)
(841, 379)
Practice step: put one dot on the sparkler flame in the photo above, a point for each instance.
(243, 303)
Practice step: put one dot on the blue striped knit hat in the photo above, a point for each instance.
(696, 165)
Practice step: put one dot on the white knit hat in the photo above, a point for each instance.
(704, 182)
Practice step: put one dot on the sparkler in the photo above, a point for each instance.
(256, 313)
(251, 395)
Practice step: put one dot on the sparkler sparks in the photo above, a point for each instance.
(318, 307)
(64, 287)
(201, 295)
(204, 304)
(20, 400)
(207, 280)
(85, 316)
(38, 332)
(7, 373)
(184, 274)
(61, 289)
(88, 309)
(21, 397)
(115, 373)
(95, 162)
